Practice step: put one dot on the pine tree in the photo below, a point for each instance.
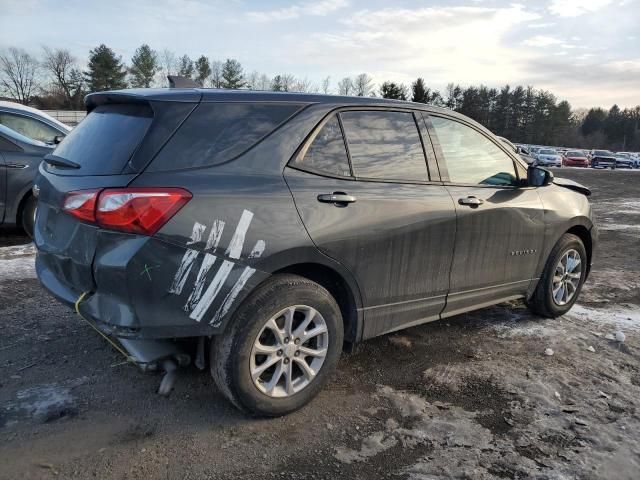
(203, 70)
(419, 91)
(186, 67)
(393, 90)
(144, 66)
(232, 74)
(105, 70)
(276, 84)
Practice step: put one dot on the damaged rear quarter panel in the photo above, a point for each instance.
(189, 279)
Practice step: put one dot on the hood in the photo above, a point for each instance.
(571, 185)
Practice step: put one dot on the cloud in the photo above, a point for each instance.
(320, 9)
(575, 8)
(541, 41)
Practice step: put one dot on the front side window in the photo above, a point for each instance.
(470, 157)
(327, 152)
(29, 127)
(384, 145)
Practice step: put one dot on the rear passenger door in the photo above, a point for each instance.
(362, 187)
(500, 220)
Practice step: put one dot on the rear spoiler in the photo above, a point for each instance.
(143, 95)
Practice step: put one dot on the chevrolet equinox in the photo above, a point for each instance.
(273, 230)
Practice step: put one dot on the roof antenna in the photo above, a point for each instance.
(178, 81)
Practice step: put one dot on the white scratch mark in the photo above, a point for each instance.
(196, 234)
(257, 250)
(246, 274)
(194, 297)
(183, 271)
(237, 242)
(231, 296)
(212, 291)
(214, 235)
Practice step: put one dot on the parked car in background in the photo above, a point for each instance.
(519, 149)
(26, 136)
(547, 157)
(634, 158)
(32, 123)
(623, 161)
(278, 226)
(575, 158)
(602, 159)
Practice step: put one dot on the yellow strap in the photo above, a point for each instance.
(113, 344)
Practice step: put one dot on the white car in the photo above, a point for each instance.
(547, 157)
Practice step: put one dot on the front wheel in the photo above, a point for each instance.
(562, 278)
(281, 347)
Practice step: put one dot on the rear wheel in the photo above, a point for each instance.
(281, 347)
(28, 216)
(562, 278)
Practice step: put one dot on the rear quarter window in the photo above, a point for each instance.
(105, 140)
(217, 132)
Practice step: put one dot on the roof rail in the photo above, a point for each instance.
(178, 81)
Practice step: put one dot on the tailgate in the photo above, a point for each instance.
(120, 135)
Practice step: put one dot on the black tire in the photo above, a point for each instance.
(231, 351)
(28, 215)
(542, 302)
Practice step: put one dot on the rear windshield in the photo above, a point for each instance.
(105, 140)
(217, 132)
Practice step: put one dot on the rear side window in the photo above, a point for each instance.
(105, 140)
(470, 157)
(217, 132)
(384, 145)
(327, 152)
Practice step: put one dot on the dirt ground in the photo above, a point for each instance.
(471, 397)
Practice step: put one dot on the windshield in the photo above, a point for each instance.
(547, 152)
(602, 152)
(575, 153)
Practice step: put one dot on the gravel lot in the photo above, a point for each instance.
(470, 397)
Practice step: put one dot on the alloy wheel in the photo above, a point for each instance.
(289, 351)
(566, 278)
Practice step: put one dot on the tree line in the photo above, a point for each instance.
(55, 80)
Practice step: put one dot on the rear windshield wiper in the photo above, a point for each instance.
(60, 162)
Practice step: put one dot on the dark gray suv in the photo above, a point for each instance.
(280, 228)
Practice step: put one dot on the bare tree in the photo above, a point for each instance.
(66, 78)
(345, 86)
(363, 85)
(216, 74)
(252, 80)
(264, 82)
(304, 85)
(18, 70)
(325, 85)
(168, 66)
(288, 82)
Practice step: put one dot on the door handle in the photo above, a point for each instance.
(339, 199)
(471, 201)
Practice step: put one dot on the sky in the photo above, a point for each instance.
(584, 51)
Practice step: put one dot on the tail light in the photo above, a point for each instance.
(132, 210)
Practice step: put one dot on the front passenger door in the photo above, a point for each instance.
(500, 221)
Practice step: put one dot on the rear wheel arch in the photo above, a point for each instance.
(339, 288)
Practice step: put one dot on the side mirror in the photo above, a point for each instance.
(57, 139)
(538, 176)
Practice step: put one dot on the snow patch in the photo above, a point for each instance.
(17, 262)
(621, 316)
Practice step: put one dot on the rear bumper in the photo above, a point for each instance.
(132, 296)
